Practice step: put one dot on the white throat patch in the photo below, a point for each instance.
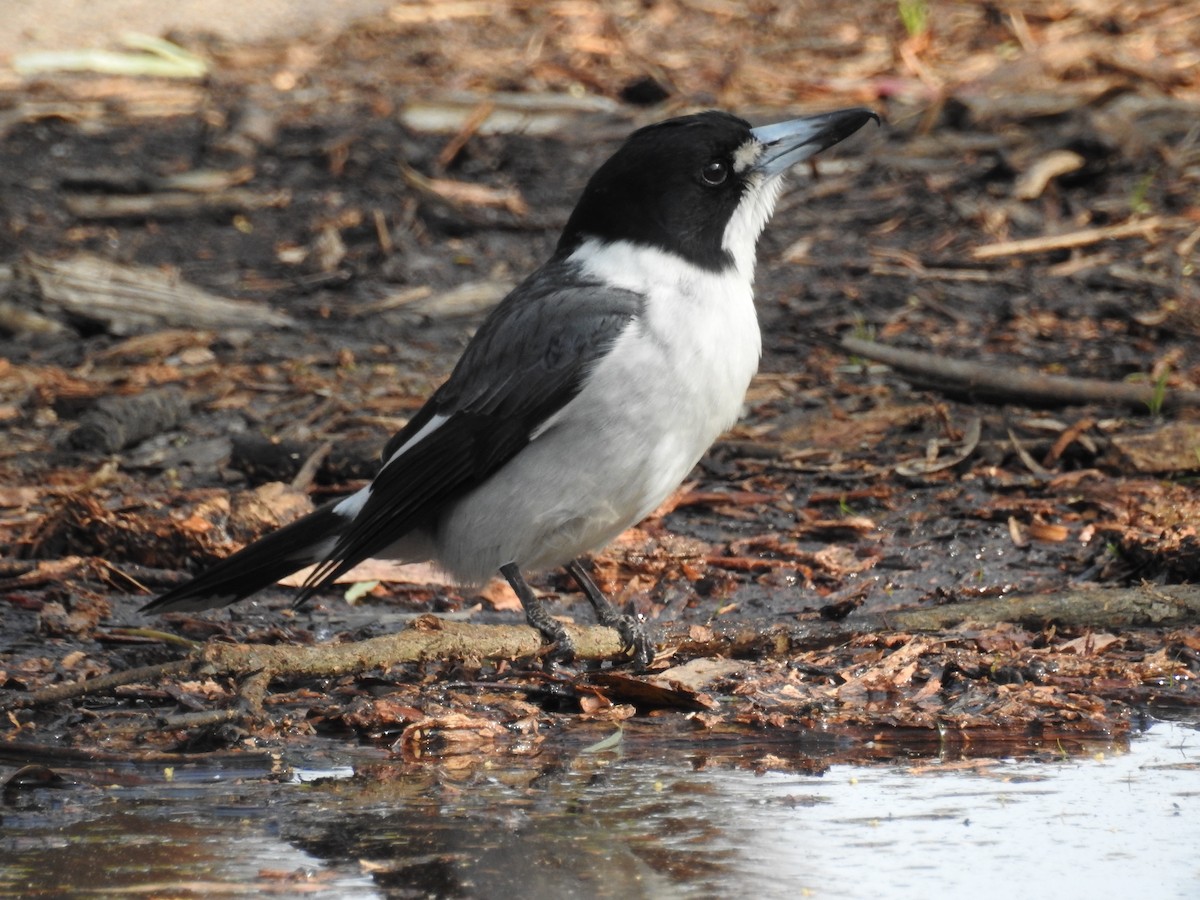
(749, 220)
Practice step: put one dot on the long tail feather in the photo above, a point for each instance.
(258, 565)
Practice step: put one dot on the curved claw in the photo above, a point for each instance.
(635, 634)
(636, 639)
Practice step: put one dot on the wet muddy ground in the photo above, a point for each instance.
(1029, 206)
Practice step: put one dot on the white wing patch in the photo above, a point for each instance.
(351, 506)
(431, 426)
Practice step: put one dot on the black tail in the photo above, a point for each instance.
(258, 565)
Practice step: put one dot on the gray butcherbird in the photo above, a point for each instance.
(588, 393)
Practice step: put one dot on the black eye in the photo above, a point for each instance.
(715, 172)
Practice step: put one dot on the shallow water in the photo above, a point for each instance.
(626, 822)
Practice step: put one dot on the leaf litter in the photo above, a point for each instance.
(1031, 205)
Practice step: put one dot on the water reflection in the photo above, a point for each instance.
(641, 821)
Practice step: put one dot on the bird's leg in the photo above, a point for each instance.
(536, 615)
(634, 634)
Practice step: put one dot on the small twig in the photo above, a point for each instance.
(1025, 456)
(172, 204)
(464, 195)
(465, 133)
(1072, 240)
(393, 301)
(1066, 439)
(1006, 383)
(917, 467)
(201, 719)
(155, 634)
(308, 471)
(101, 684)
(382, 234)
(1148, 606)
(253, 692)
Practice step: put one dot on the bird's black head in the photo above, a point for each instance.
(699, 186)
(671, 186)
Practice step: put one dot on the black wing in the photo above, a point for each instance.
(528, 359)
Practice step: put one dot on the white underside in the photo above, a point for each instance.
(675, 379)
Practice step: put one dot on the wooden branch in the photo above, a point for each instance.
(115, 423)
(1074, 239)
(1148, 606)
(102, 684)
(172, 204)
(1005, 383)
(432, 638)
(427, 638)
(1107, 608)
(126, 299)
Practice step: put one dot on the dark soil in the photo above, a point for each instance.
(812, 503)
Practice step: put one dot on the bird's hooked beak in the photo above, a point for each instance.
(787, 143)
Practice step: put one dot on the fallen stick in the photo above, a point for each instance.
(1148, 606)
(126, 299)
(427, 638)
(101, 684)
(1073, 239)
(997, 383)
(115, 423)
(172, 204)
